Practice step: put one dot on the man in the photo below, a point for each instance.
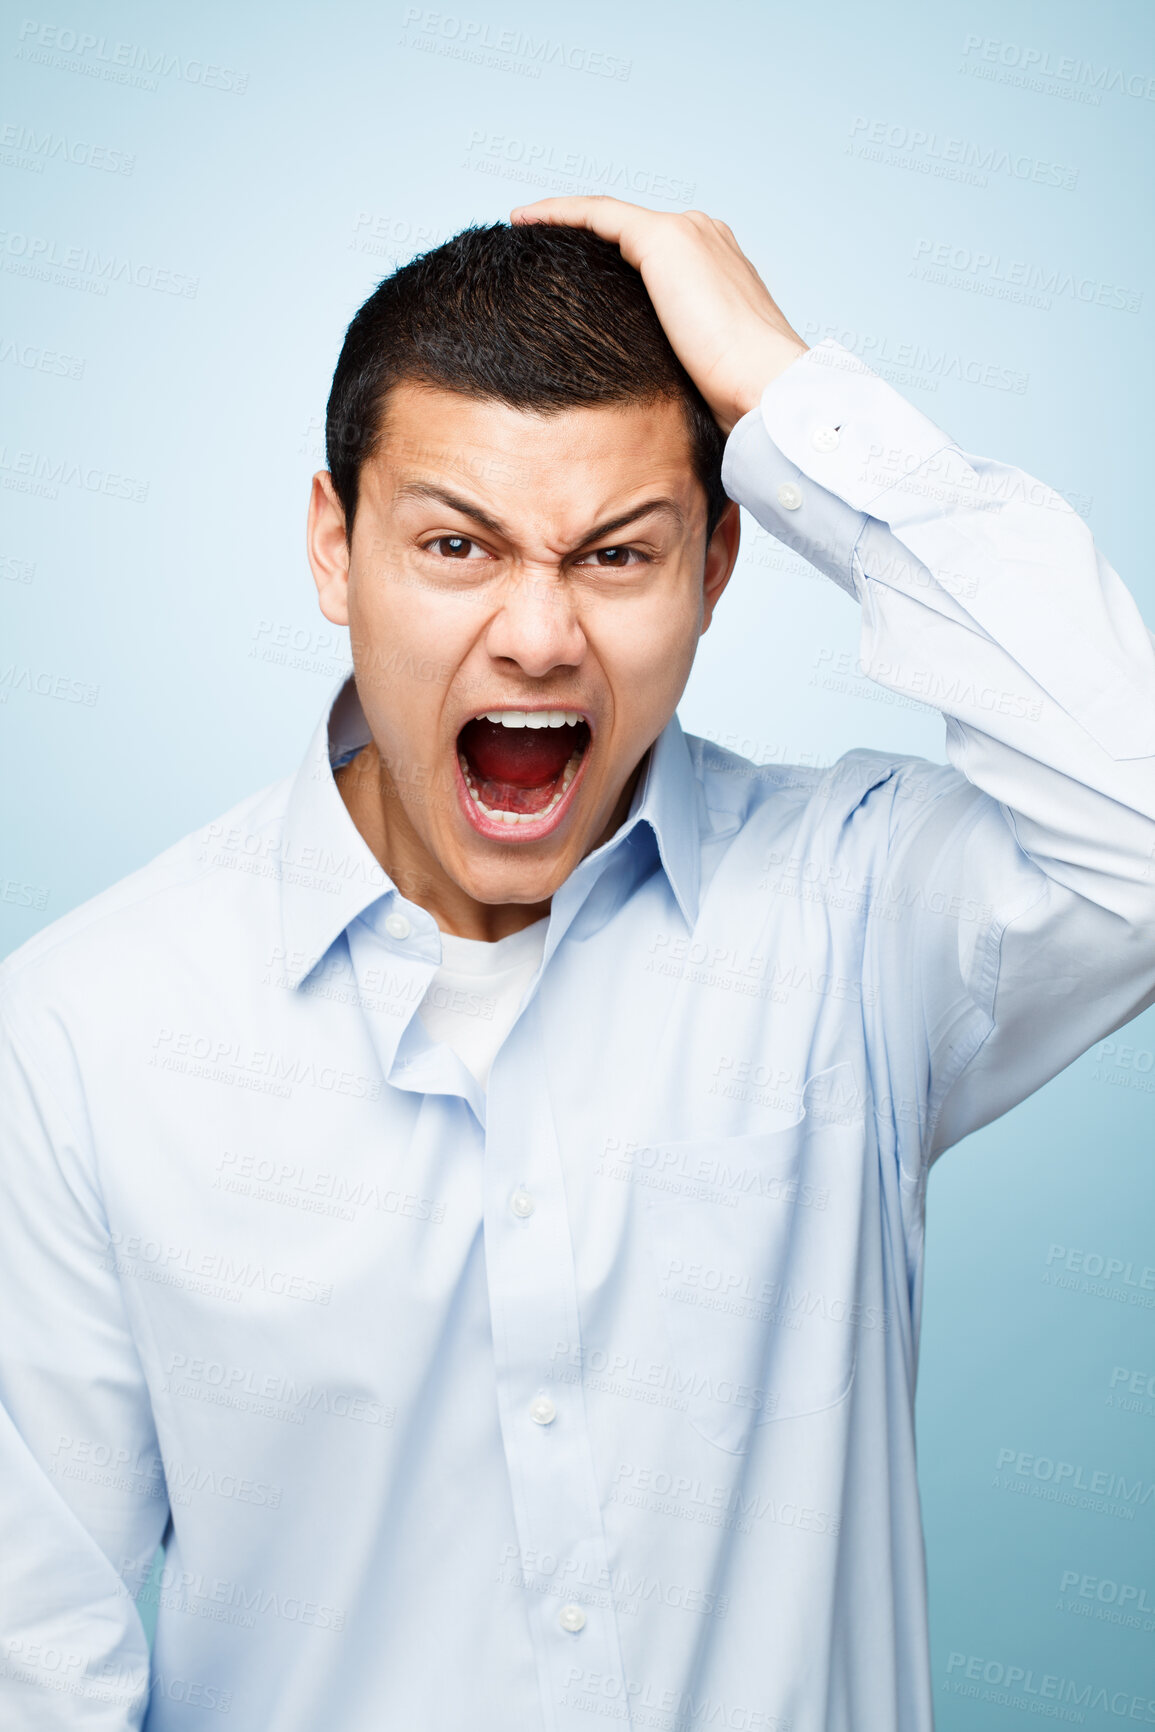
(467, 1203)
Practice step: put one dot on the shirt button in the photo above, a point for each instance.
(825, 438)
(572, 1618)
(542, 1411)
(522, 1204)
(398, 925)
(789, 496)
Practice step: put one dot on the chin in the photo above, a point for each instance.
(513, 881)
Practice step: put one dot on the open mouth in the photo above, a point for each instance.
(518, 766)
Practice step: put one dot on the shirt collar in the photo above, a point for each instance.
(328, 874)
(668, 798)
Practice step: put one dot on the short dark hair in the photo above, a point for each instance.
(537, 317)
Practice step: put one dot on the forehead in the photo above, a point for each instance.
(586, 461)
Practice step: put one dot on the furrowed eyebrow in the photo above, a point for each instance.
(426, 490)
(651, 507)
(664, 507)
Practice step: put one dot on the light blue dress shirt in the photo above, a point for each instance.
(586, 1399)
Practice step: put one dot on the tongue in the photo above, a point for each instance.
(517, 768)
(524, 757)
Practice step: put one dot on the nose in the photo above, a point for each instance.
(536, 627)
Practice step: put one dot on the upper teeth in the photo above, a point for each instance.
(534, 718)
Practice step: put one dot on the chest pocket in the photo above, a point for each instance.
(756, 1264)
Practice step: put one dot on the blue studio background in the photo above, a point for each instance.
(196, 200)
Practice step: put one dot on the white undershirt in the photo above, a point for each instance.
(472, 1000)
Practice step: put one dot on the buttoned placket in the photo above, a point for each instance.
(564, 1559)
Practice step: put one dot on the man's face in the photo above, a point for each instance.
(525, 594)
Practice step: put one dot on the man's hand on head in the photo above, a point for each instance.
(718, 314)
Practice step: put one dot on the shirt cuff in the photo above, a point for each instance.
(812, 521)
(828, 439)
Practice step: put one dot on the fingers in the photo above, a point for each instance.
(630, 227)
(605, 216)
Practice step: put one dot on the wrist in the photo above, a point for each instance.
(779, 351)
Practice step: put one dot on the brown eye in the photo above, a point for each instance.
(615, 556)
(453, 546)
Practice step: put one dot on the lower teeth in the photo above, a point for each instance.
(499, 816)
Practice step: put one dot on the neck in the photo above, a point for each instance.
(373, 804)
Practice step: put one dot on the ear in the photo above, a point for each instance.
(328, 549)
(721, 553)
